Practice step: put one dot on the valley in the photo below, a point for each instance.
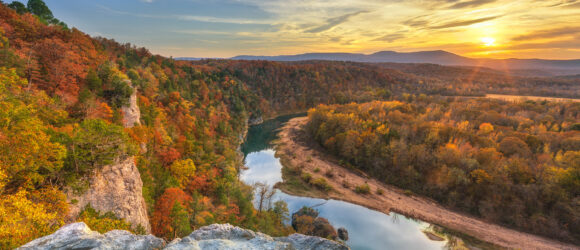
(301, 155)
(445, 143)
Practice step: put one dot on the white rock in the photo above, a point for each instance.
(216, 236)
(80, 236)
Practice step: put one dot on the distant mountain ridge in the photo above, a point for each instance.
(555, 67)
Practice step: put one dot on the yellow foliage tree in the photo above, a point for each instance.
(183, 170)
(23, 219)
(25, 148)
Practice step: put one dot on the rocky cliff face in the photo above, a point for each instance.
(116, 188)
(131, 113)
(79, 236)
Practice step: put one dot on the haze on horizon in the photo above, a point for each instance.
(548, 29)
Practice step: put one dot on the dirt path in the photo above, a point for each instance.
(296, 151)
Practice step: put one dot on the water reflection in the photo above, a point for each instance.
(368, 229)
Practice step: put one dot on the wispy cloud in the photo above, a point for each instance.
(333, 22)
(211, 19)
(572, 5)
(418, 21)
(463, 23)
(391, 37)
(207, 19)
(563, 44)
(470, 4)
(548, 34)
(289, 26)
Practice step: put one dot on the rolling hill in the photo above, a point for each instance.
(536, 67)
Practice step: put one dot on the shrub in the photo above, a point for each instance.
(106, 222)
(306, 177)
(321, 183)
(363, 189)
(380, 191)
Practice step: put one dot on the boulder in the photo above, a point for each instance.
(306, 221)
(216, 236)
(80, 236)
(343, 234)
(255, 120)
(323, 228)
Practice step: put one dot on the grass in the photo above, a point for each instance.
(297, 182)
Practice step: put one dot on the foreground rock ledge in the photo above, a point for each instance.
(216, 236)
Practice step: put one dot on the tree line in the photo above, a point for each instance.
(517, 164)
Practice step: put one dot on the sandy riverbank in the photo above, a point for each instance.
(296, 152)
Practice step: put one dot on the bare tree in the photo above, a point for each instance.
(265, 195)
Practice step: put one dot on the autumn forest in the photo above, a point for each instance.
(420, 127)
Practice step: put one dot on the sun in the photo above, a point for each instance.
(488, 41)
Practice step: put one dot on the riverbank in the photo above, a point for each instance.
(300, 156)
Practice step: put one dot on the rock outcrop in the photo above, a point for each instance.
(114, 188)
(216, 236)
(306, 221)
(117, 187)
(131, 113)
(80, 236)
(342, 233)
(255, 120)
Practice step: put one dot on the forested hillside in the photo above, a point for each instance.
(61, 95)
(516, 164)
(60, 119)
(481, 80)
(308, 83)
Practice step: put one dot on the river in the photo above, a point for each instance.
(368, 229)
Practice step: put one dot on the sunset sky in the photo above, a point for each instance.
(223, 28)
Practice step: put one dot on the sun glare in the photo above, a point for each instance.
(488, 41)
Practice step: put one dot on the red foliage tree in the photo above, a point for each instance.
(168, 156)
(161, 221)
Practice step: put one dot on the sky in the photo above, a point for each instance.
(548, 29)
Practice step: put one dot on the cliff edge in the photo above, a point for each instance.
(114, 188)
(216, 236)
(117, 187)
